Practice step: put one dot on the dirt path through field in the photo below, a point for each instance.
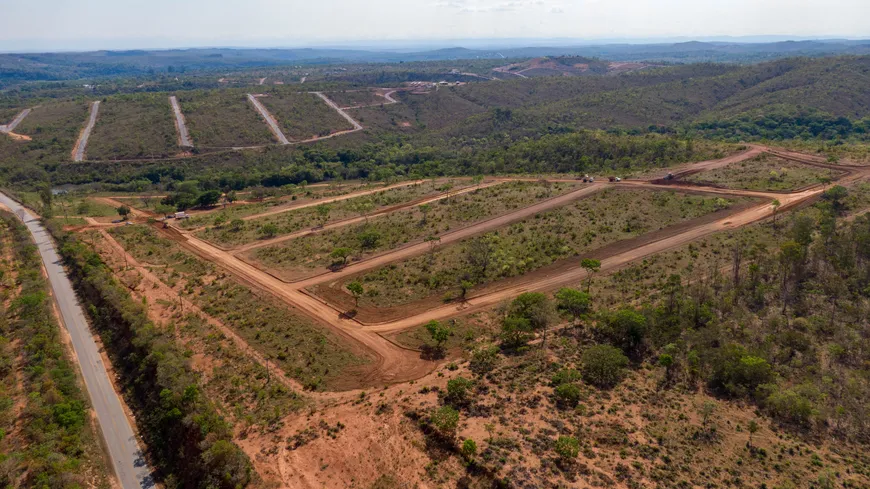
(269, 118)
(183, 136)
(9, 128)
(82, 143)
(356, 125)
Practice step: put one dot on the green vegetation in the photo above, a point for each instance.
(303, 349)
(184, 433)
(590, 223)
(765, 172)
(355, 98)
(404, 226)
(302, 115)
(46, 437)
(134, 127)
(222, 119)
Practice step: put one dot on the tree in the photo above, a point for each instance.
(124, 211)
(626, 328)
(469, 449)
(445, 421)
(567, 447)
(424, 209)
(667, 361)
(323, 211)
(439, 333)
(458, 391)
(369, 239)
(775, 205)
(835, 197)
(477, 180)
(603, 365)
(340, 254)
(356, 289)
(516, 332)
(268, 230)
(753, 429)
(536, 308)
(46, 195)
(237, 225)
(208, 198)
(567, 395)
(231, 197)
(483, 360)
(573, 302)
(464, 287)
(479, 254)
(363, 207)
(591, 266)
(433, 243)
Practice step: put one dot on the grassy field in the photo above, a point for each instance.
(134, 126)
(765, 172)
(223, 118)
(352, 98)
(295, 220)
(387, 232)
(304, 350)
(302, 115)
(588, 224)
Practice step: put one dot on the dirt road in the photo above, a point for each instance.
(82, 143)
(356, 125)
(270, 120)
(8, 128)
(183, 137)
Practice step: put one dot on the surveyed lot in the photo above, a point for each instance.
(302, 115)
(765, 172)
(313, 253)
(304, 350)
(134, 126)
(570, 231)
(223, 118)
(231, 233)
(356, 98)
(54, 128)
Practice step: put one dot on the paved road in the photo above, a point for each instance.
(179, 123)
(127, 459)
(83, 139)
(273, 125)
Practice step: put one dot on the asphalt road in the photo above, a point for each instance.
(127, 459)
(83, 141)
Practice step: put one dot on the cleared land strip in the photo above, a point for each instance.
(273, 124)
(7, 128)
(354, 220)
(79, 150)
(356, 125)
(183, 136)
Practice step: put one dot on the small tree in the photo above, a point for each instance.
(567, 447)
(231, 197)
(458, 391)
(356, 289)
(469, 449)
(753, 429)
(483, 360)
(775, 205)
(323, 211)
(464, 287)
(363, 207)
(536, 308)
(268, 230)
(706, 411)
(424, 209)
(603, 365)
(591, 266)
(237, 225)
(445, 421)
(124, 211)
(573, 302)
(567, 395)
(369, 239)
(439, 333)
(516, 332)
(341, 254)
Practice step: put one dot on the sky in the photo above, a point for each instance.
(126, 24)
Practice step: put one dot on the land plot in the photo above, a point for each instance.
(7, 114)
(355, 98)
(54, 128)
(295, 220)
(134, 126)
(223, 118)
(302, 115)
(765, 172)
(311, 253)
(304, 350)
(588, 224)
(295, 197)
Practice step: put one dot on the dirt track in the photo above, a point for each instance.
(183, 136)
(269, 118)
(9, 128)
(82, 143)
(395, 363)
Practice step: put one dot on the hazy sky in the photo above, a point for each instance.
(68, 24)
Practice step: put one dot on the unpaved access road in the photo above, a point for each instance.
(270, 120)
(7, 128)
(126, 457)
(79, 150)
(183, 137)
(356, 125)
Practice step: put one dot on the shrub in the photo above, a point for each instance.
(469, 449)
(565, 376)
(603, 365)
(567, 447)
(567, 395)
(445, 420)
(484, 360)
(458, 391)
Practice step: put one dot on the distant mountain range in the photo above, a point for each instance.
(58, 66)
